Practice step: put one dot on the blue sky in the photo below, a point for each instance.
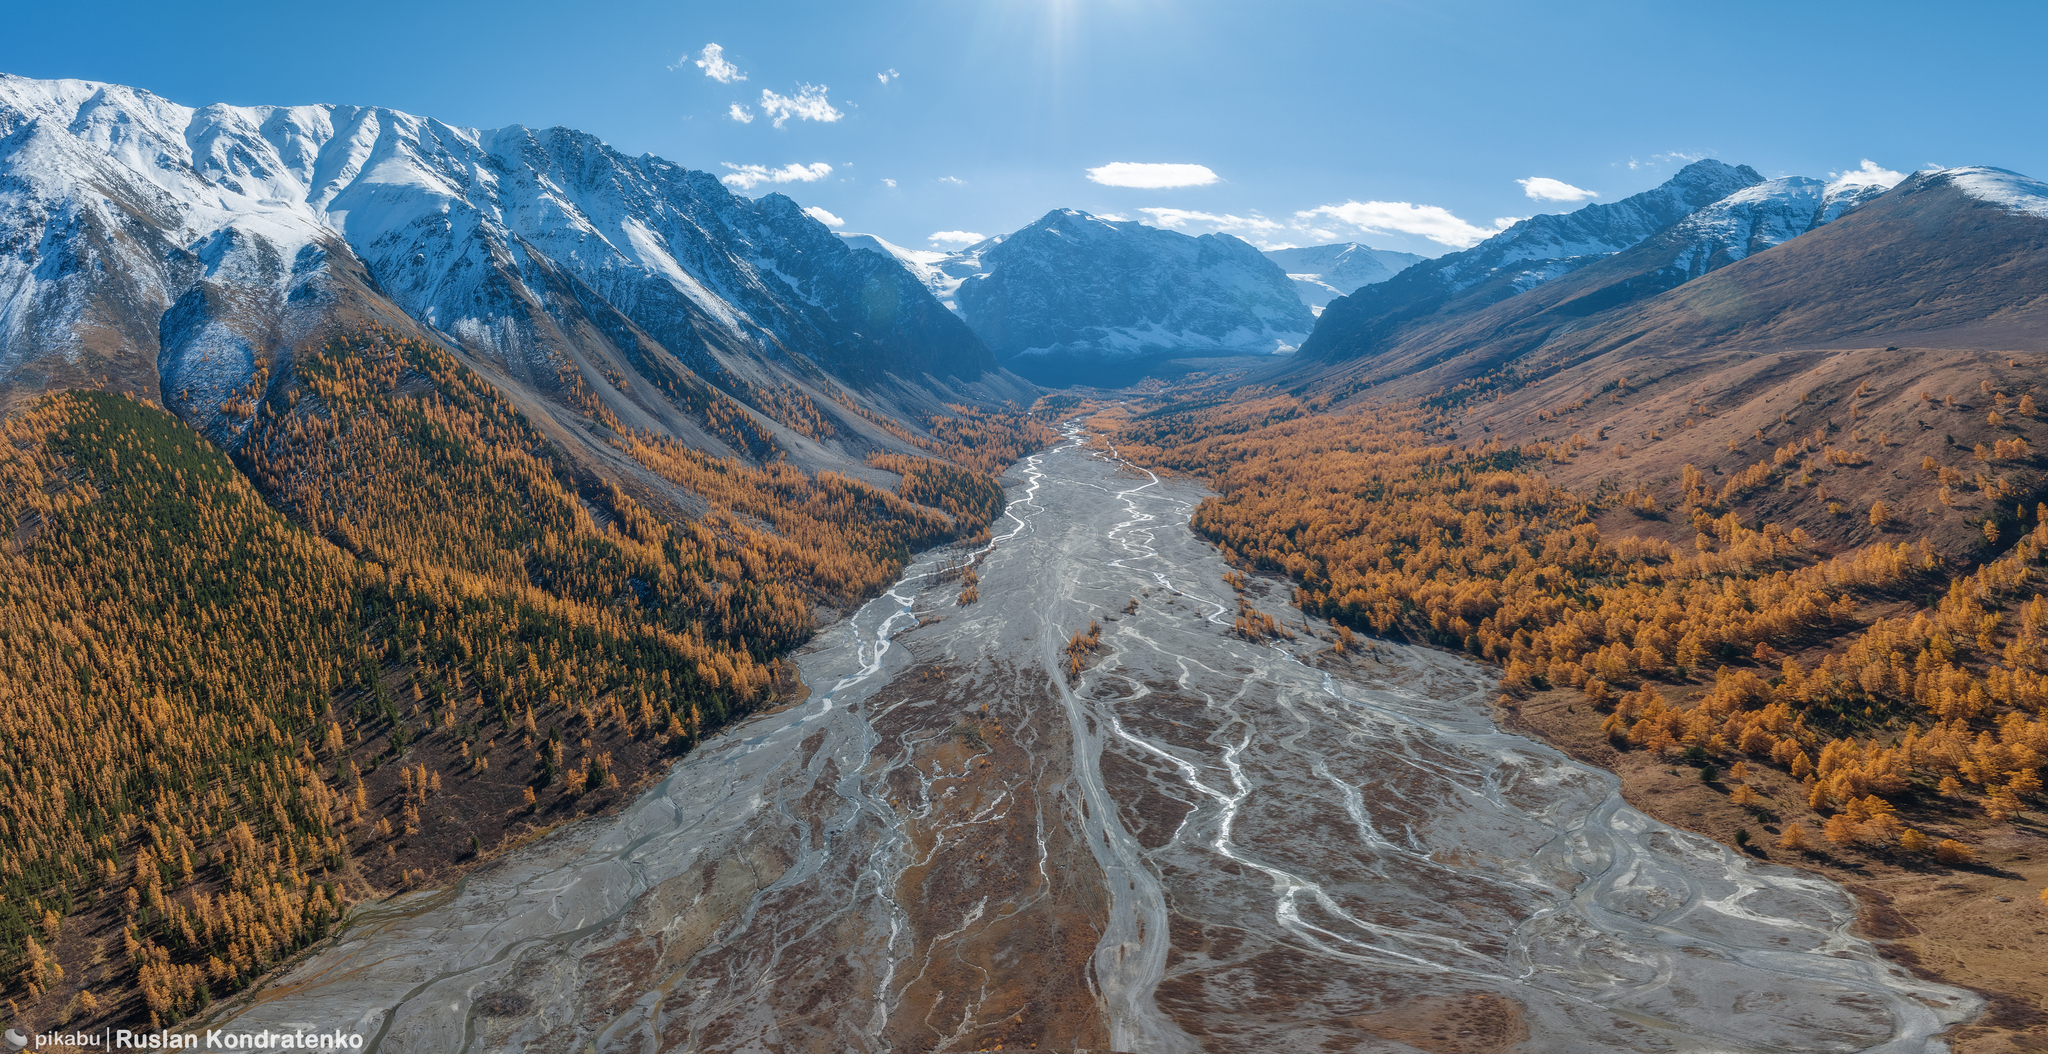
(1426, 116)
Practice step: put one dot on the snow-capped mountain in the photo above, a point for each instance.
(1949, 259)
(178, 250)
(1528, 254)
(1541, 248)
(941, 272)
(1322, 273)
(1956, 258)
(2002, 187)
(1073, 291)
(1755, 218)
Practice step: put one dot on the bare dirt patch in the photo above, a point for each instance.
(1005, 899)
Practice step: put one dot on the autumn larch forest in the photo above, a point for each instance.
(1890, 686)
(394, 634)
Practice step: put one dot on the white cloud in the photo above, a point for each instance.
(713, 63)
(887, 76)
(1113, 217)
(740, 113)
(1429, 221)
(809, 104)
(889, 182)
(1176, 218)
(817, 213)
(1678, 157)
(1543, 188)
(953, 180)
(1150, 176)
(747, 177)
(957, 237)
(1254, 228)
(1870, 173)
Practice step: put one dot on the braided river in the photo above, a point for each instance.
(1201, 842)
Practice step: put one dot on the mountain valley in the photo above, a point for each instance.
(484, 591)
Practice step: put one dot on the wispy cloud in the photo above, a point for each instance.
(956, 181)
(1428, 221)
(890, 183)
(1255, 228)
(1678, 157)
(712, 62)
(808, 104)
(1869, 173)
(1543, 188)
(817, 213)
(887, 75)
(1146, 176)
(741, 114)
(747, 177)
(957, 237)
(1177, 218)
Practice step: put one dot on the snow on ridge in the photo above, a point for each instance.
(2001, 187)
(433, 210)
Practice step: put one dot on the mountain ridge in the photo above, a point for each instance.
(1070, 295)
(246, 229)
(1526, 255)
(1322, 273)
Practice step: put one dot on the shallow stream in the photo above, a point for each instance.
(1198, 843)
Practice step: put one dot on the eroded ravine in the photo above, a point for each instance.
(1200, 842)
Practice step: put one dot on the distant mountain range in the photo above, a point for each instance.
(178, 253)
(1528, 254)
(1075, 298)
(1322, 273)
(1498, 302)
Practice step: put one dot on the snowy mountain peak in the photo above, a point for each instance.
(1597, 230)
(1072, 289)
(200, 242)
(1322, 273)
(2000, 187)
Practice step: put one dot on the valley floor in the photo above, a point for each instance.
(1084, 811)
(1979, 926)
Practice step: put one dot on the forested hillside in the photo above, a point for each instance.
(1885, 678)
(394, 632)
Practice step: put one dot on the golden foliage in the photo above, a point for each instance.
(186, 668)
(1386, 523)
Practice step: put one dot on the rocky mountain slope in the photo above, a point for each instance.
(178, 253)
(1322, 273)
(1530, 253)
(1074, 298)
(1495, 320)
(1902, 333)
(384, 439)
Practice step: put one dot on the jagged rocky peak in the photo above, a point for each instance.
(179, 249)
(1528, 254)
(1547, 245)
(1758, 217)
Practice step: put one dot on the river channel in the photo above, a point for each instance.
(1198, 842)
